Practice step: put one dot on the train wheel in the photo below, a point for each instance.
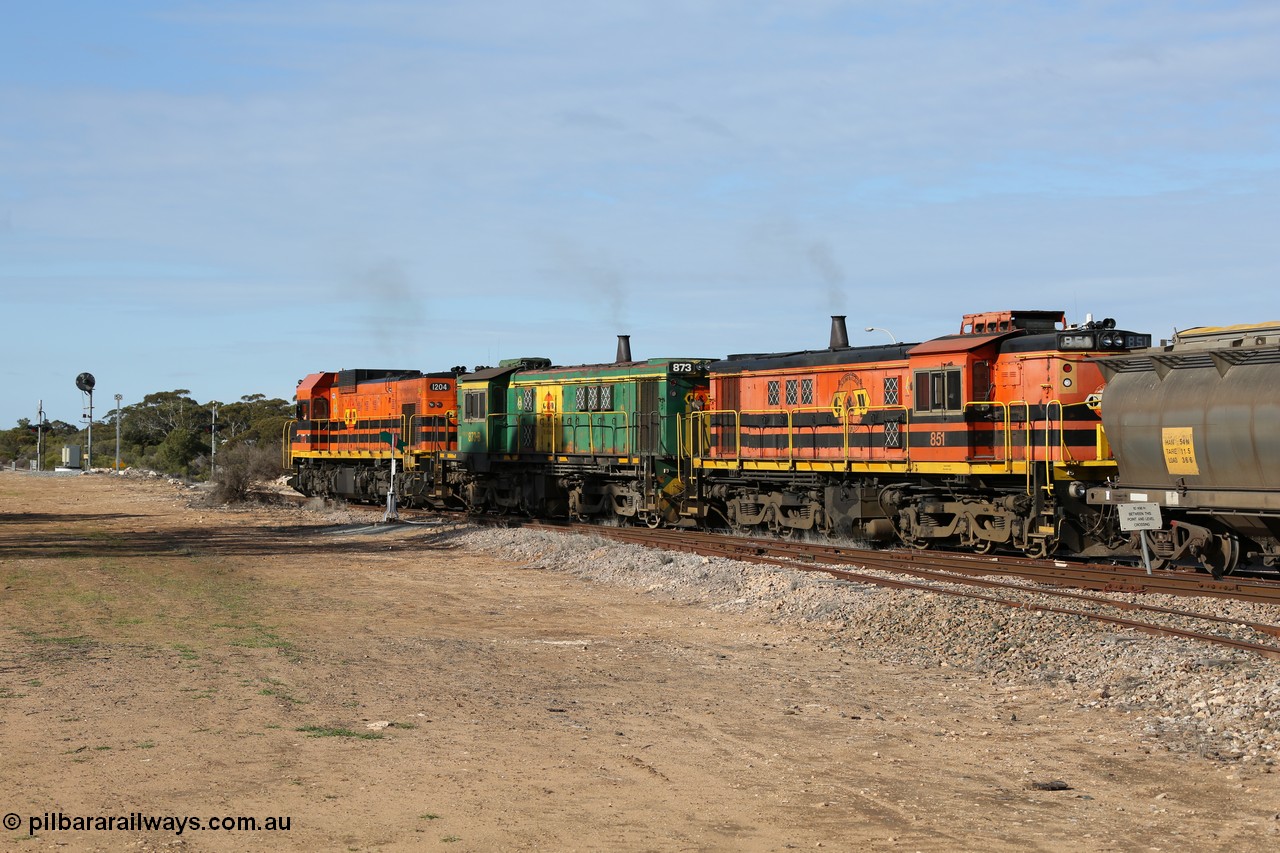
(1227, 558)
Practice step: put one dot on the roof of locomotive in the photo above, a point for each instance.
(613, 368)
(1030, 343)
(811, 358)
(1012, 341)
(541, 372)
(962, 342)
(350, 380)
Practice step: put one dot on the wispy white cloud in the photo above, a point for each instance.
(697, 171)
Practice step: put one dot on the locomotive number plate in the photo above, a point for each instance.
(439, 386)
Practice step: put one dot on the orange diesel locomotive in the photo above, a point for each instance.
(353, 422)
(986, 438)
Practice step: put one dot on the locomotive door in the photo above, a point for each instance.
(724, 433)
(985, 421)
(1014, 408)
(648, 418)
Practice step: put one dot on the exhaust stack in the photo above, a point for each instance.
(624, 349)
(839, 332)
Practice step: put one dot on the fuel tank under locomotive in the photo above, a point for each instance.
(1195, 428)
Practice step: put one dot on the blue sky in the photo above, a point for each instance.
(226, 196)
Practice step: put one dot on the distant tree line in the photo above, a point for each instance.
(168, 431)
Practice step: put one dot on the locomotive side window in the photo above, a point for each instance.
(938, 391)
(474, 405)
(806, 392)
(304, 410)
(773, 392)
(793, 388)
(921, 387)
(953, 390)
(594, 398)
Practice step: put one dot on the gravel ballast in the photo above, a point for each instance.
(1181, 695)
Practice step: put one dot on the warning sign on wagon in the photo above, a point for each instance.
(1139, 516)
(1179, 450)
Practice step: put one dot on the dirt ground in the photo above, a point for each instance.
(162, 660)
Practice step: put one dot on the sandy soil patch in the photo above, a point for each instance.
(389, 689)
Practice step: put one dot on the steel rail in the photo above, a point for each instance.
(759, 552)
(784, 554)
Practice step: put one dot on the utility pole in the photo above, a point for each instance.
(118, 398)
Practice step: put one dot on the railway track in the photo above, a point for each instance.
(1041, 585)
(1055, 586)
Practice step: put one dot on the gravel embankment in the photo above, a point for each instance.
(1181, 695)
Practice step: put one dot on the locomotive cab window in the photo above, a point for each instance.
(938, 390)
(474, 405)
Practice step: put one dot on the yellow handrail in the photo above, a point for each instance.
(552, 425)
(286, 444)
(846, 426)
(1006, 434)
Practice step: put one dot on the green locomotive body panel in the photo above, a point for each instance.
(589, 413)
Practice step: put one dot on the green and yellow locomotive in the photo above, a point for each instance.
(589, 441)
